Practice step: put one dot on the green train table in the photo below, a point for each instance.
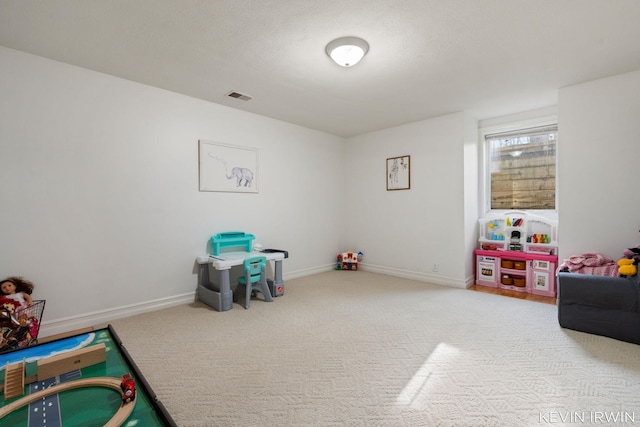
(97, 393)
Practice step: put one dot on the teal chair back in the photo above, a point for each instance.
(254, 266)
(255, 272)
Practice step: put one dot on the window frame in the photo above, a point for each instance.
(485, 159)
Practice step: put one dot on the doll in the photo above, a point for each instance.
(17, 289)
(7, 310)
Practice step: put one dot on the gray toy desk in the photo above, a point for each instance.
(216, 291)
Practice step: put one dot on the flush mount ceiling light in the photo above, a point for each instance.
(347, 51)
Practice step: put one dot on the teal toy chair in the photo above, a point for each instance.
(254, 279)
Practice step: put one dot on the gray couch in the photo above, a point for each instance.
(601, 305)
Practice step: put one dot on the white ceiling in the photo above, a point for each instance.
(426, 57)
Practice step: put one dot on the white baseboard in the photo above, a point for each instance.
(67, 324)
(415, 275)
(308, 271)
(58, 326)
(471, 280)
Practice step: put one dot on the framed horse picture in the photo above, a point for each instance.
(398, 173)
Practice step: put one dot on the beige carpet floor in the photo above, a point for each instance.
(347, 348)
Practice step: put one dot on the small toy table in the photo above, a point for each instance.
(217, 292)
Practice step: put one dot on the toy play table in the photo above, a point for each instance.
(82, 406)
(216, 291)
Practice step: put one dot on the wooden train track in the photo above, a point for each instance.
(108, 382)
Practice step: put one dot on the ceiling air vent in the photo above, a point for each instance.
(238, 95)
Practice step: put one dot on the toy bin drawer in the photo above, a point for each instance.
(519, 282)
(520, 265)
(506, 263)
(506, 280)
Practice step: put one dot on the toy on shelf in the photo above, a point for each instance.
(348, 260)
(519, 231)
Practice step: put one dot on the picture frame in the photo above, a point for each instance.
(227, 168)
(399, 173)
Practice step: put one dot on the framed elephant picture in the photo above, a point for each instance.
(230, 168)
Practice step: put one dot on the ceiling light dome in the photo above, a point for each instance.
(347, 51)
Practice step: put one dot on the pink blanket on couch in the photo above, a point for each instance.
(595, 264)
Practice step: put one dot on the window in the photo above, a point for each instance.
(521, 167)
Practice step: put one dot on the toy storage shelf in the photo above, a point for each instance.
(518, 251)
(513, 271)
(536, 274)
(518, 231)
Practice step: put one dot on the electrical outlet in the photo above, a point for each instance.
(435, 266)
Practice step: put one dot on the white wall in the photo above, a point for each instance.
(100, 206)
(599, 134)
(404, 233)
(99, 200)
(472, 150)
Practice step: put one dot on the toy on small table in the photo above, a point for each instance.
(348, 260)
